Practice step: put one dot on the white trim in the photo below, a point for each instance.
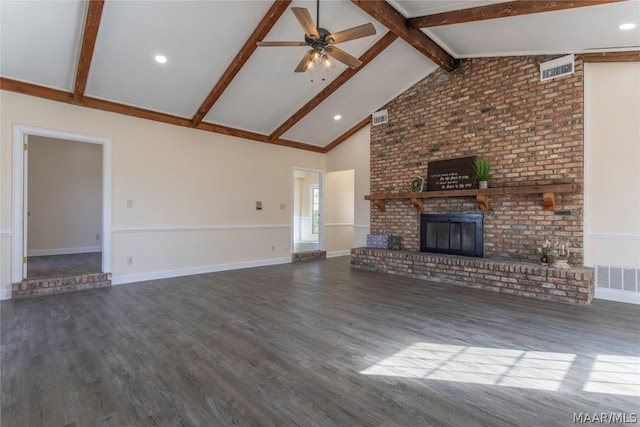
(335, 254)
(5, 294)
(126, 230)
(618, 295)
(623, 236)
(340, 224)
(17, 226)
(64, 251)
(140, 277)
(361, 226)
(6, 233)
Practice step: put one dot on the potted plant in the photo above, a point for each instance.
(544, 251)
(482, 167)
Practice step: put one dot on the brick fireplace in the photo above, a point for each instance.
(532, 132)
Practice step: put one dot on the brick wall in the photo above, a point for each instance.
(495, 107)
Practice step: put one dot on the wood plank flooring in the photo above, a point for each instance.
(312, 344)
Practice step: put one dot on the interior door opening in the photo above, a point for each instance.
(308, 221)
(63, 188)
(97, 241)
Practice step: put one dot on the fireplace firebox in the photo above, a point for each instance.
(457, 234)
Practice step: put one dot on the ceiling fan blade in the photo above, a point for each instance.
(343, 56)
(275, 44)
(302, 66)
(352, 33)
(306, 22)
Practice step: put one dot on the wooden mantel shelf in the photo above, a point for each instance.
(548, 193)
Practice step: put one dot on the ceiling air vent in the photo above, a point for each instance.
(556, 68)
(379, 117)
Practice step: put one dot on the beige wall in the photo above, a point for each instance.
(353, 154)
(193, 192)
(339, 211)
(612, 164)
(65, 196)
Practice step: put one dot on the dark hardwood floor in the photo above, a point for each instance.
(312, 344)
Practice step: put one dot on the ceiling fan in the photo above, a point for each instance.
(322, 42)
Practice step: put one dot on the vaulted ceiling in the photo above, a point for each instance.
(100, 54)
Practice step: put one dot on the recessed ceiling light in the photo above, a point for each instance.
(337, 117)
(627, 26)
(161, 59)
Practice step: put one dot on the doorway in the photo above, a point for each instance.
(47, 240)
(64, 208)
(308, 210)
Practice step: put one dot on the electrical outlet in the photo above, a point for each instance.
(129, 260)
(273, 248)
(129, 204)
(97, 237)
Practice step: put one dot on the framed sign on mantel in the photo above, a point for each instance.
(451, 174)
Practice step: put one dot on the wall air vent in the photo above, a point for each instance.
(557, 68)
(379, 117)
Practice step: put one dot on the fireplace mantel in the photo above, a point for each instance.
(548, 193)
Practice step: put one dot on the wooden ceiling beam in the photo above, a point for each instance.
(35, 90)
(500, 10)
(344, 77)
(113, 107)
(92, 23)
(384, 13)
(624, 56)
(261, 31)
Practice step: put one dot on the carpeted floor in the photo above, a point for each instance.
(64, 265)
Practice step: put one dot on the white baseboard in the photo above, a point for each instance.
(335, 254)
(5, 294)
(618, 295)
(122, 279)
(64, 251)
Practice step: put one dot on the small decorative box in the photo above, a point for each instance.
(395, 243)
(378, 241)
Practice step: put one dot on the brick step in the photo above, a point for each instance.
(308, 256)
(56, 285)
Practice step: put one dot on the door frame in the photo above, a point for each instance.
(321, 221)
(19, 246)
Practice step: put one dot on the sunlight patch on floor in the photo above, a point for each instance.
(477, 365)
(614, 375)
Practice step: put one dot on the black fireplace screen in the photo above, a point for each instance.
(451, 234)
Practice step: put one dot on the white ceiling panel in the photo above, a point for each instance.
(199, 39)
(40, 41)
(40, 44)
(266, 91)
(413, 8)
(566, 31)
(392, 72)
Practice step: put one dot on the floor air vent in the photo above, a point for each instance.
(556, 68)
(379, 117)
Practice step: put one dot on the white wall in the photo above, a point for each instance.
(193, 192)
(65, 196)
(353, 154)
(339, 212)
(612, 164)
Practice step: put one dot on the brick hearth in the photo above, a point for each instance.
(524, 279)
